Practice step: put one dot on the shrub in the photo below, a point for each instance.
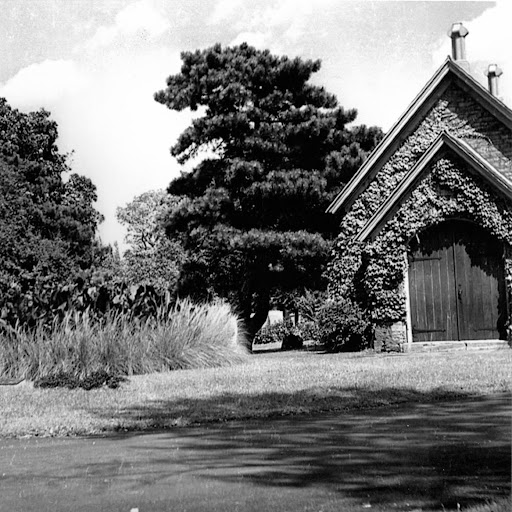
(310, 305)
(83, 351)
(308, 330)
(292, 341)
(344, 326)
(97, 297)
(334, 326)
(94, 380)
(273, 333)
(287, 333)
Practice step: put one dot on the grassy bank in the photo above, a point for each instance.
(266, 385)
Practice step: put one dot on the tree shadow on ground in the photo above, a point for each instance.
(425, 453)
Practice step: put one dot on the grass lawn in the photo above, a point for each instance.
(500, 505)
(269, 384)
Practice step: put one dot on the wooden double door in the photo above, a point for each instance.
(456, 284)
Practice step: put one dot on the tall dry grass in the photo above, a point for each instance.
(188, 336)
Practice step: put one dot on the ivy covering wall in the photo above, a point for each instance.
(372, 273)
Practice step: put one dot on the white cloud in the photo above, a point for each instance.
(256, 39)
(278, 21)
(120, 135)
(140, 19)
(141, 14)
(296, 11)
(43, 83)
(224, 10)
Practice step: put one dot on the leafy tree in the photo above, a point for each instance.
(276, 150)
(47, 224)
(152, 259)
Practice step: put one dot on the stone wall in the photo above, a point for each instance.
(390, 338)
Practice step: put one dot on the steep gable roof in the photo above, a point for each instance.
(450, 71)
(443, 142)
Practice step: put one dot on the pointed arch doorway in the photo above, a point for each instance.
(456, 284)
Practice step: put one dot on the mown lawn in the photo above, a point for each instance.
(270, 384)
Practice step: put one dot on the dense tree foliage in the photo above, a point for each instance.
(47, 222)
(152, 258)
(276, 151)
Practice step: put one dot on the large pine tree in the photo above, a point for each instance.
(276, 151)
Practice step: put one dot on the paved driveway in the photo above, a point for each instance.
(419, 457)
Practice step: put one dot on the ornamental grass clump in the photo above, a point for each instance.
(79, 351)
(196, 336)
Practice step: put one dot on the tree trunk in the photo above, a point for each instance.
(255, 317)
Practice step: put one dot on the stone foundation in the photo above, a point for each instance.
(390, 338)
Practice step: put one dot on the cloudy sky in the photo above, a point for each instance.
(95, 64)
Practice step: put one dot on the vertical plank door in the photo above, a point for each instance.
(480, 283)
(456, 284)
(432, 286)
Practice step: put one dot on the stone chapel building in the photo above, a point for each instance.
(426, 223)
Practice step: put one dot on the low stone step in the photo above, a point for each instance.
(434, 346)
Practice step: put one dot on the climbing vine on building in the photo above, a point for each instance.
(372, 273)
